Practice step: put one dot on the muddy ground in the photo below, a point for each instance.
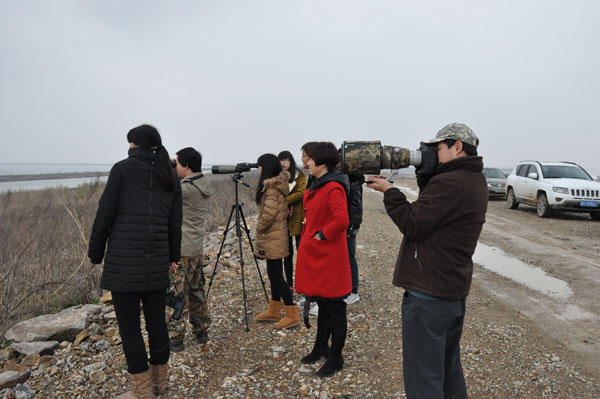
(518, 342)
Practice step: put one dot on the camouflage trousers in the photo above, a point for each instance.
(189, 281)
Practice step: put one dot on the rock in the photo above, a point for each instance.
(106, 298)
(24, 392)
(80, 337)
(304, 369)
(93, 367)
(95, 329)
(10, 379)
(101, 346)
(31, 361)
(98, 375)
(7, 354)
(62, 326)
(30, 348)
(110, 316)
(303, 390)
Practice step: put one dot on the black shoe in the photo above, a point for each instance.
(176, 346)
(202, 337)
(331, 366)
(315, 355)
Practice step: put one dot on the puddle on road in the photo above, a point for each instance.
(496, 260)
(573, 312)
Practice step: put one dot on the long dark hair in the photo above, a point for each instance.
(271, 167)
(146, 136)
(292, 169)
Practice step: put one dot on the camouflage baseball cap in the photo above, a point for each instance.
(456, 131)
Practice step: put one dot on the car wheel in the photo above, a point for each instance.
(595, 215)
(543, 208)
(511, 201)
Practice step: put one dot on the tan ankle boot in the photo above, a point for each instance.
(273, 313)
(159, 378)
(290, 319)
(141, 386)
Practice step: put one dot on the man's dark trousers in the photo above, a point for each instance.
(431, 331)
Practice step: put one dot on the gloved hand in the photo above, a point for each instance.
(426, 170)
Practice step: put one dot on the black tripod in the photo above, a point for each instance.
(239, 216)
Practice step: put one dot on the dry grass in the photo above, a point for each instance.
(44, 235)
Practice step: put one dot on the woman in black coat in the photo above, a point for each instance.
(140, 215)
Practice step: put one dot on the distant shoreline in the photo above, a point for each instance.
(50, 176)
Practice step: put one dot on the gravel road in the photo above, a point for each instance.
(519, 341)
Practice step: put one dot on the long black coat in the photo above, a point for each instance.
(142, 222)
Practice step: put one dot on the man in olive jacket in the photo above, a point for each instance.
(435, 265)
(189, 278)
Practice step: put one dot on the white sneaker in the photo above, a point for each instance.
(314, 309)
(352, 298)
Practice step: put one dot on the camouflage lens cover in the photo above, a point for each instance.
(361, 157)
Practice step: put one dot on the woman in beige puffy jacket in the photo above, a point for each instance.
(272, 238)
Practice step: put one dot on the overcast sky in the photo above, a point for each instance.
(236, 79)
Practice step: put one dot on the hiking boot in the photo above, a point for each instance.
(202, 337)
(176, 346)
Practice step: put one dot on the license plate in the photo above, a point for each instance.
(589, 204)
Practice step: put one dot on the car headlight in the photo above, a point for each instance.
(561, 190)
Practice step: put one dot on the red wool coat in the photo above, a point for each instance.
(323, 266)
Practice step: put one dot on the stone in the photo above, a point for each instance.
(30, 348)
(98, 375)
(101, 346)
(10, 379)
(62, 326)
(110, 316)
(95, 329)
(7, 354)
(31, 361)
(106, 298)
(24, 392)
(80, 337)
(304, 369)
(94, 366)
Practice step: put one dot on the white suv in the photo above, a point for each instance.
(553, 186)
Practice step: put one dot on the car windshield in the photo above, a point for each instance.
(564, 171)
(493, 173)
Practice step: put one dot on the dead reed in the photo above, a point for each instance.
(44, 237)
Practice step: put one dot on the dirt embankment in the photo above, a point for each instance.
(518, 342)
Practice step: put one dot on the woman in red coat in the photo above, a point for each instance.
(322, 266)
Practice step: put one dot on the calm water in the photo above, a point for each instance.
(46, 168)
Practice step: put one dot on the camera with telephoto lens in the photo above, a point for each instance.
(228, 169)
(177, 302)
(370, 157)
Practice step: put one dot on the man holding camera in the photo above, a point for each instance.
(435, 265)
(189, 278)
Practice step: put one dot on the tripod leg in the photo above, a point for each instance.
(238, 212)
(245, 228)
(220, 250)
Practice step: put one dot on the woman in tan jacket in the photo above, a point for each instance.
(272, 238)
(297, 183)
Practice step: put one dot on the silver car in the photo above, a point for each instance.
(496, 181)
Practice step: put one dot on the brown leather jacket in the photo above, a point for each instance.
(272, 227)
(441, 229)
